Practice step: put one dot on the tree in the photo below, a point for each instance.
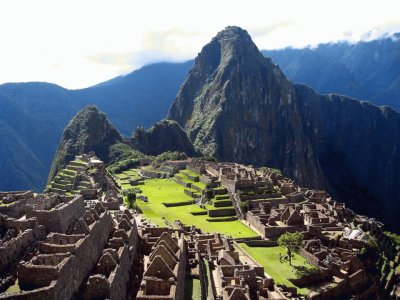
(291, 241)
(130, 195)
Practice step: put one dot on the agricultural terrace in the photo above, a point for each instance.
(168, 190)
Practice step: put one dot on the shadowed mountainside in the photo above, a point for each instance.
(238, 106)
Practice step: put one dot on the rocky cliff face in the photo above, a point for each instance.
(164, 136)
(88, 131)
(238, 106)
(357, 145)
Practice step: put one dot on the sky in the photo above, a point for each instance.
(77, 44)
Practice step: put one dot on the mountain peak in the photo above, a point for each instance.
(89, 130)
(231, 32)
(234, 99)
(233, 43)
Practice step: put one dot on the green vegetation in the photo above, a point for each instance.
(14, 288)
(130, 197)
(169, 155)
(394, 237)
(124, 178)
(268, 257)
(167, 190)
(192, 289)
(190, 173)
(123, 157)
(291, 241)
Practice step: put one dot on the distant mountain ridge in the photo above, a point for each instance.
(33, 115)
(364, 70)
(238, 106)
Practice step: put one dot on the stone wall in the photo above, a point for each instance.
(312, 279)
(61, 218)
(312, 259)
(86, 256)
(73, 269)
(273, 201)
(223, 212)
(180, 278)
(120, 276)
(18, 202)
(46, 293)
(274, 231)
(12, 249)
(207, 180)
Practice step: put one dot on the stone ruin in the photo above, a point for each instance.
(88, 246)
(65, 247)
(165, 270)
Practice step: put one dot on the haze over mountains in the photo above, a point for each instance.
(33, 115)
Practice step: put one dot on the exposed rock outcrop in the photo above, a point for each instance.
(88, 131)
(166, 135)
(238, 106)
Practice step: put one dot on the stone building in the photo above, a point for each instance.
(165, 270)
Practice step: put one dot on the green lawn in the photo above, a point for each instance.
(191, 173)
(167, 190)
(199, 185)
(268, 257)
(192, 289)
(14, 288)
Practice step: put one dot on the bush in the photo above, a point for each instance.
(209, 158)
(123, 165)
(169, 155)
(244, 206)
(301, 271)
(130, 196)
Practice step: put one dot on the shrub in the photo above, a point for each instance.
(123, 165)
(301, 271)
(244, 206)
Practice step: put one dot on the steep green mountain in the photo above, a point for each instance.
(88, 131)
(365, 70)
(237, 105)
(35, 114)
(164, 136)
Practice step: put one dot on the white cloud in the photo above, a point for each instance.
(80, 43)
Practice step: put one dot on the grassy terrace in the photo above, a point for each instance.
(268, 257)
(167, 190)
(191, 173)
(124, 177)
(192, 289)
